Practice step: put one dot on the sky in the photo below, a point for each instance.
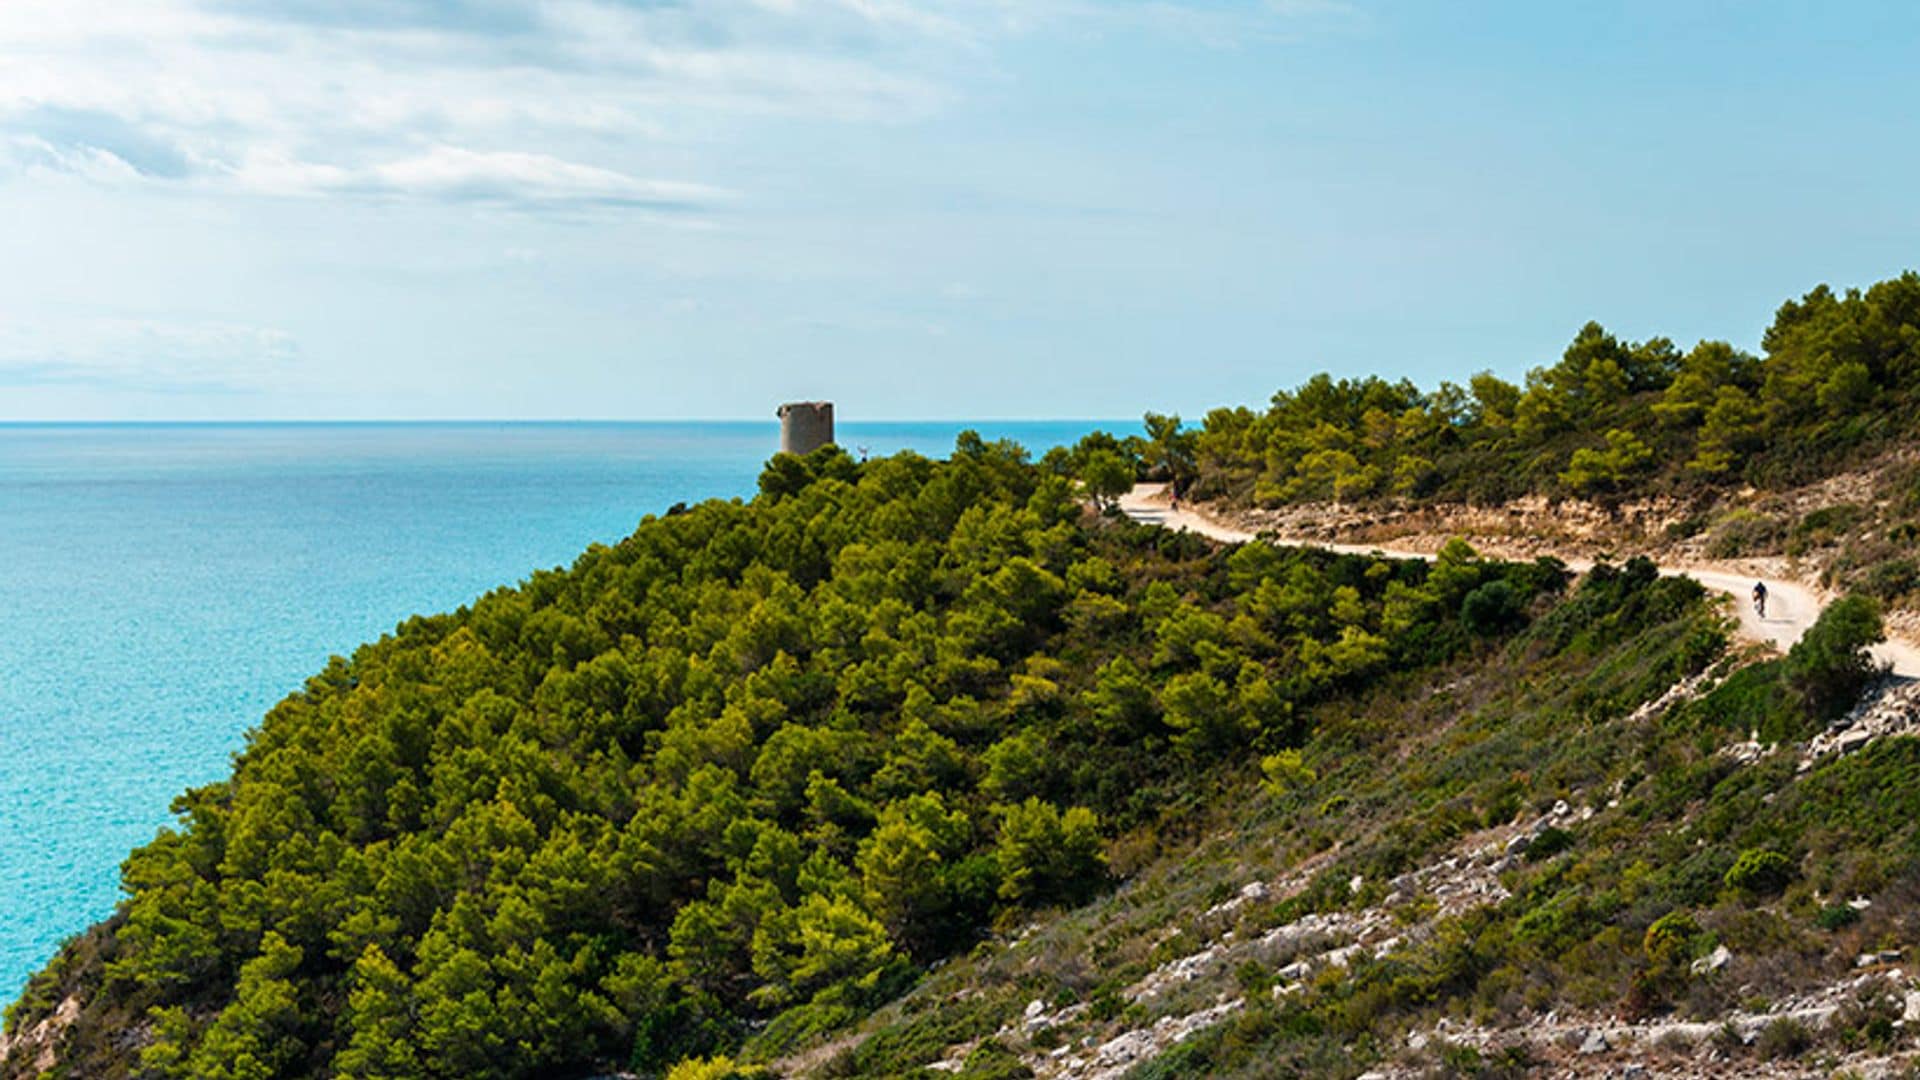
(545, 209)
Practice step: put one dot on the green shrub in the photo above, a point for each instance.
(1551, 841)
(1670, 939)
(1824, 526)
(992, 1060)
(719, 1068)
(1760, 872)
(1492, 608)
(1687, 527)
(1745, 532)
(1891, 579)
(1835, 917)
(1829, 666)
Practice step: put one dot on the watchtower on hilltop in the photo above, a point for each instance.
(805, 426)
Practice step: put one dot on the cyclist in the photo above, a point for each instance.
(1760, 598)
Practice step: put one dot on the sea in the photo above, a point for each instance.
(161, 585)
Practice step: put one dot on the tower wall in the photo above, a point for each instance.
(805, 426)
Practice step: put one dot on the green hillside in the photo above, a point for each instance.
(1467, 871)
(1839, 382)
(1809, 452)
(744, 775)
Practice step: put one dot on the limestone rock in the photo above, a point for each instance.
(1713, 962)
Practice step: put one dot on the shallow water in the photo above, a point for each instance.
(162, 585)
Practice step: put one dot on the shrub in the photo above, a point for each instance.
(1744, 532)
(1829, 666)
(1891, 579)
(1784, 1038)
(1824, 526)
(1868, 1021)
(1285, 771)
(719, 1068)
(1836, 917)
(1760, 872)
(1551, 841)
(1670, 939)
(1687, 527)
(1492, 608)
(991, 1060)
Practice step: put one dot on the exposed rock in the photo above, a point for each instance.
(1122, 1053)
(1596, 1035)
(1892, 707)
(44, 1036)
(1252, 892)
(1712, 962)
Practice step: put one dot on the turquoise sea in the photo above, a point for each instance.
(162, 585)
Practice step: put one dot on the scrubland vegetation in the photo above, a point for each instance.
(1671, 849)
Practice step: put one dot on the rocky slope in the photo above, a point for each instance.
(1382, 906)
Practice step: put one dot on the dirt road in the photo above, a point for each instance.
(1791, 606)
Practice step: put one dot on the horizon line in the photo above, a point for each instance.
(340, 421)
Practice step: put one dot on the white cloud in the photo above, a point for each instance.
(453, 174)
(529, 104)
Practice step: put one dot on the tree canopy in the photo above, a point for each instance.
(1839, 378)
(749, 769)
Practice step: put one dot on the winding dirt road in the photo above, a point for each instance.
(1791, 606)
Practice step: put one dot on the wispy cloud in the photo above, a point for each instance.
(452, 174)
(145, 355)
(525, 104)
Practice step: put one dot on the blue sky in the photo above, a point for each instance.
(948, 208)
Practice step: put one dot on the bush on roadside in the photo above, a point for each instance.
(1829, 666)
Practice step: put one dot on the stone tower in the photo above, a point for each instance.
(805, 426)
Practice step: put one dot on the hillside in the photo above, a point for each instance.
(1792, 607)
(916, 767)
(734, 781)
(1054, 793)
(1604, 847)
(1802, 458)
